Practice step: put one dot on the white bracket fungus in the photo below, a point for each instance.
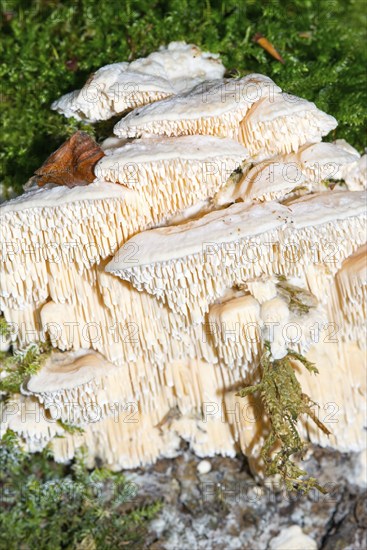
(189, 266)
(160, 295)
(281, 124)
(214, 108)
(296, 173)
(120, 87)
(172, 174)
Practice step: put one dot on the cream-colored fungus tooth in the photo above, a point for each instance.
(243, 241)
(132, 442)
(347, 305)
(206, 436)
(342, 368)
(172, 174)
(120, 87)
(215, 108)
(30, 421)
(188, 406)
(270, 180)
(235, 327)
(45, 230)
(332, 226)
(101, 312)
(281, 124)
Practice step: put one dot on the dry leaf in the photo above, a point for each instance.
(267, 46)
(71, 164)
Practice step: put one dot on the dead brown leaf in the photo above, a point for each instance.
(71, 164)
(267, 46)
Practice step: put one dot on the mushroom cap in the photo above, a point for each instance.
(269, 181)
(322, 208)
(183, 65)
(236, 222)
(165, 148)
(170, 170)
(354, 268)
(80, 387)
(281, 105)
(281, 124)
(275, 178)
(324, 160)
(111, 143)
(208, 100)
(355, 174)
(239, 221)
(63, 371)
(58, 196)
(111, 90)
(118, 87)
(343, 144)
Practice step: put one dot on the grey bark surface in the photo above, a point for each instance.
(228, 509)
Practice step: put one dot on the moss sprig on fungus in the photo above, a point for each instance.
(284, 403)
(299, 300)
(17, 367)
(71, 428)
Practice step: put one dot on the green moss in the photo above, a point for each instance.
(284, 403)
(49, 47)
(47, 505)
(19, 366)
(70, 428)
(299, 300)
(4, 328)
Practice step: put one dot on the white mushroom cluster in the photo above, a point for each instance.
(218, 220)
(120, 87)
